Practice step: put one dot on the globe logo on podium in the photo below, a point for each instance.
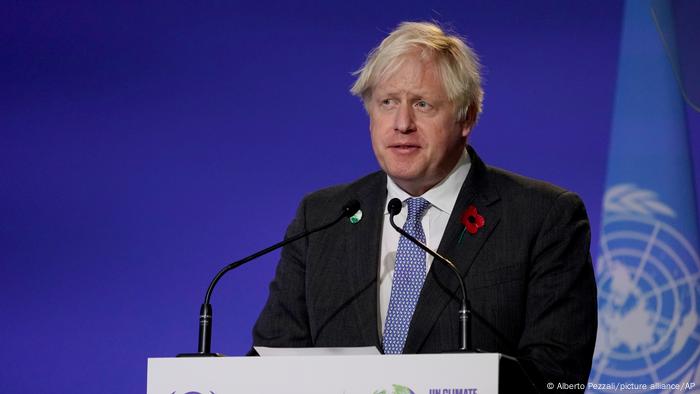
(647, 275)
(396, 389)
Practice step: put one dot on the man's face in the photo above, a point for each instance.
(415, 133)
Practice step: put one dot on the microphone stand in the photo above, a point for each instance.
(205, 311)
(519, 376)
(465, 311)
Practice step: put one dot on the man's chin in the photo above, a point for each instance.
(411, 183)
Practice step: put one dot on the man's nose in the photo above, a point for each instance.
(404, 121)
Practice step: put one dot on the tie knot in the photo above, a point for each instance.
(416, 207)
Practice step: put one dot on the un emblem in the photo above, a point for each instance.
(647, 275)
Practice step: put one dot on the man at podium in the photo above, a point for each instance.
(521, 245)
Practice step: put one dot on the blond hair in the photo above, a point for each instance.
(458, 65)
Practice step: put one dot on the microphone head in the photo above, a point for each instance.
(350, 208)
(394, 206)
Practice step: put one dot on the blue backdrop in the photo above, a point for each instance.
(144, 146)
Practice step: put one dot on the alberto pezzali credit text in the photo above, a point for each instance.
(622, 386)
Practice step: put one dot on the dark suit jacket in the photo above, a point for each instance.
(528, 274)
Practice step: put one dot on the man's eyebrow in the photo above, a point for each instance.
(413, 95)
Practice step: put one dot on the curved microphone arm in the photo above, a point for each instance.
(205, 311)
(267, 250)
(465, 338)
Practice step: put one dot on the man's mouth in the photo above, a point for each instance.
(404, 148)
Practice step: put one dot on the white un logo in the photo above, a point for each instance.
(648, 296)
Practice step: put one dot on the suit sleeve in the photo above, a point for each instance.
(561, 304)
(284, 321)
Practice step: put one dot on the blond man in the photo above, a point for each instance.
(521, 245)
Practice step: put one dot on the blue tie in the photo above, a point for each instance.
(409, 275)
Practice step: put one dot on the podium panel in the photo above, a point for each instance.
(400, 374)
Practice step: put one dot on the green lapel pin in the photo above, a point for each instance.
(354, 219)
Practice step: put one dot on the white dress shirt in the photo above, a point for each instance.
(442, 198)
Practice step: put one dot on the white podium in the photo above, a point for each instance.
(400, 374)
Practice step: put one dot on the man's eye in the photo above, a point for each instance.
(422, 104)
(388, 102)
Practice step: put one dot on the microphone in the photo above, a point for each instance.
(465, 311)
(205, 311)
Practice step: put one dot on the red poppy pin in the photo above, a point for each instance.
(472, 221)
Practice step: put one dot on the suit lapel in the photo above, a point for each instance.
(365, 237)
(440, 285)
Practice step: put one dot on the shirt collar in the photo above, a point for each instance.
(441, 196)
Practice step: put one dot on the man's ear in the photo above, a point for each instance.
(466, 129)
(468, 122)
